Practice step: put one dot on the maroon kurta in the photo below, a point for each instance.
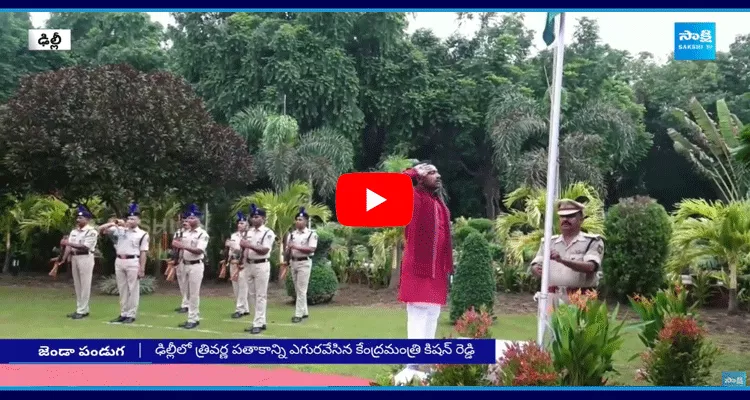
(428, 254)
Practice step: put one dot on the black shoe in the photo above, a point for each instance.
(238, 315)
(251, 329)
(128, 320)
(181, 310)
(119, 319)
(296, 319)
(191, 325)
(79, 316)
(305, 316)
(263, 328)
(182, 325)
(256, 330)
(71, 315)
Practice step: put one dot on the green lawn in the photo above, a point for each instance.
(40, 313)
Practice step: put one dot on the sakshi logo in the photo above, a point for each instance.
(695, 41)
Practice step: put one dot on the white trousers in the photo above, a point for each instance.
(421, 322)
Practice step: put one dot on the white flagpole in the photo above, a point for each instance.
(554, 133)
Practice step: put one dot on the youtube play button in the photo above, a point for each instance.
(374, 199)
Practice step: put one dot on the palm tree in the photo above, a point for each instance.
(706, 231)
(282, 207)
(522, 230)
(318, 157)
(594, 140)
(713, 148)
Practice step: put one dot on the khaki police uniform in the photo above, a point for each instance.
(241, 293)
(82, 265)
(192, 269)
(257, 269)
(181, 277)
(129, 245)
(584, 247)
(301, 264)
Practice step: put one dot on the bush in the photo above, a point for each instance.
(496, 252)
(322, 287)
(325, 240)
(472, 325)
(108, 285)
(681, 357)
(461, 233)
(474, 281)
(526, 364)
(654, 311)
(638, 231)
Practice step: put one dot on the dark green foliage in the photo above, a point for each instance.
(474, 281)
(59, 124)
(322, 287)
(460, 234)
(637, 242)
(496, 252)
(325, 240)
(483, 225)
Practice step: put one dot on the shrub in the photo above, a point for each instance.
(681, 356)
(638, 231)
(585, 338)
(483, 225)
(496, 252)
(462, 232)
(325, 240)
(474, 281)
(108, 285)
(526, 364)
(473, 325)
(322, 287)
(655, 310)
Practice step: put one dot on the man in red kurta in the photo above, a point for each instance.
(428, 255)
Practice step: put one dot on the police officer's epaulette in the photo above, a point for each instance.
(553, 237)
(592, 236)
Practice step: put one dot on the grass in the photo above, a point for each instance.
(40, 313)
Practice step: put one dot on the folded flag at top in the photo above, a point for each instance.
(549, 28)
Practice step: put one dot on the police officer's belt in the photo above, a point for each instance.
(300, 258)
(126, 257)
(192, 262)
(80, 252)
(252, 261)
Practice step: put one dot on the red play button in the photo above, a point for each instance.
(374, 199)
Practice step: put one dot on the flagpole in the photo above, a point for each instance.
(552, 151)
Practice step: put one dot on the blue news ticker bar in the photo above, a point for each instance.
(247, 351)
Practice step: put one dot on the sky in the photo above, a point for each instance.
(633, 31)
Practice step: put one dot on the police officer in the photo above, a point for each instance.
(257, 265)
(193, 246)
(131, 247)
(575, 257)
(301, 243)
(181, 283)
(241, 293)
(80, 247)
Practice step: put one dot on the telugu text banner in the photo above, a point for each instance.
(248, 351)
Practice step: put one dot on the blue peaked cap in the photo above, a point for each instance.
(83, 211)
(254, 210)
(134, 210)
(302, 213)
(193, 211)
(241, 216)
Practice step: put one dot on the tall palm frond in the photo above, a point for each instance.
(522, 230)
(711, 147)
(49, 214)
(324, 155)
(711, 230)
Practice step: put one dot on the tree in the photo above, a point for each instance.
(15, 58)
(119, 134)
(712, 231)
(474, 280)
(710, 147)
(283, 155)
(114, 38)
